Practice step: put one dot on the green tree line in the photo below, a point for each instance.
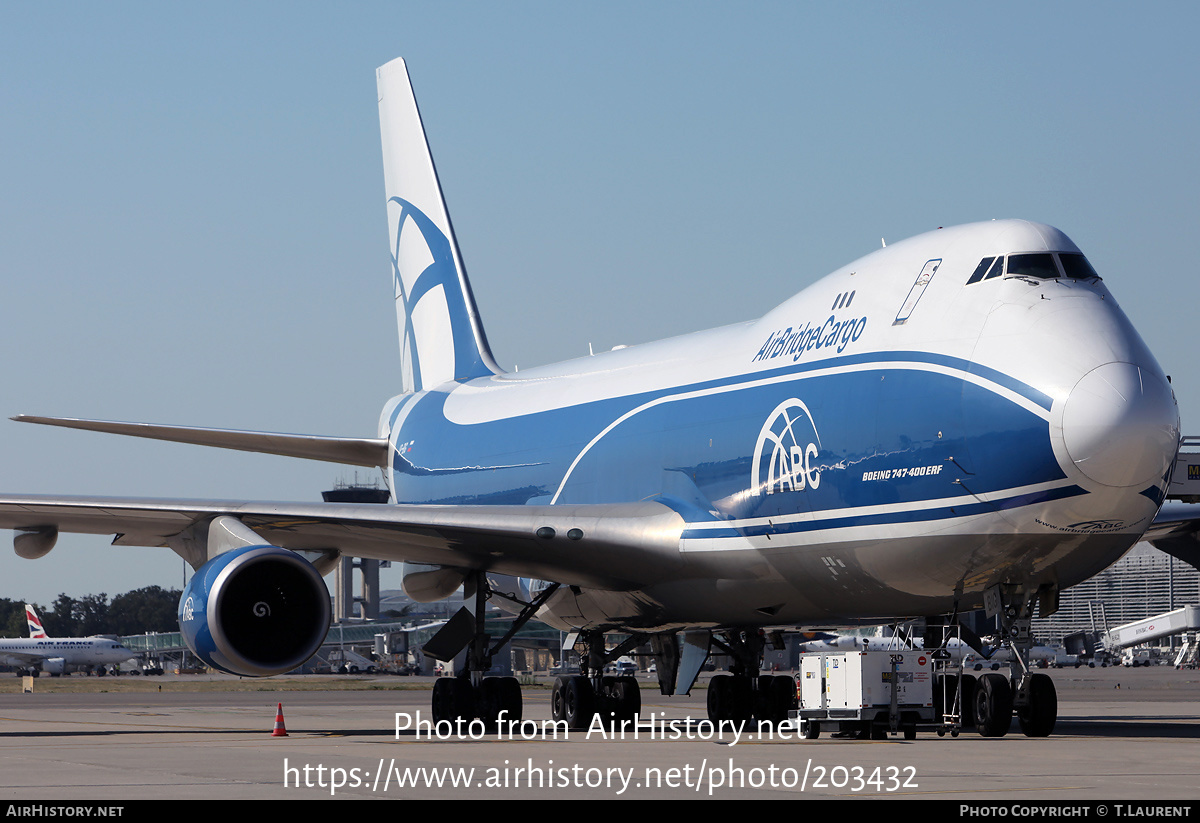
(152, 609)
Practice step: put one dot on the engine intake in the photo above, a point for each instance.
(255, 611)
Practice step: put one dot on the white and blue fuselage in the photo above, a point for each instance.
(963, 408)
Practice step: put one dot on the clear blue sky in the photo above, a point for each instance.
(192, 227)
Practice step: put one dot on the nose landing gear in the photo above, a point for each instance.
(1030, 695)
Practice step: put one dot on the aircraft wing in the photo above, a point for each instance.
(1176, 531)
(1174, 520)
(615, 547)
(21, 658)
(353, 451)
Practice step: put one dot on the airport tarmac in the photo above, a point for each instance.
(1123, 734)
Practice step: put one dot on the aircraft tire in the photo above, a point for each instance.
(499, 698)
(510, 698)
(487, 701)
(579, 703)
(453, 698)
(776, 695)
(558, 700)
(993, 706)
(1037, 719)
(730, 698)
(628, 697)
(719, 696)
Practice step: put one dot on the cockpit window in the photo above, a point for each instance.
(988, 268)
(1041, 266)
(981, 270)
(1077, 267)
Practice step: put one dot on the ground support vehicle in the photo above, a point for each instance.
(865, 694)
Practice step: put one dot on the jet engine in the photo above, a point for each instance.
(255, 611)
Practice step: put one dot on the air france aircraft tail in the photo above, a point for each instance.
(441, 337)
(35, 622)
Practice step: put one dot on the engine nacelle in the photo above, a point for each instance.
(256, 611)
(54, 665)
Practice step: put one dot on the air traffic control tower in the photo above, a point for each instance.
(343, 591)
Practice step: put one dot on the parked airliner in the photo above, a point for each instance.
(57, 655)
(963, 418)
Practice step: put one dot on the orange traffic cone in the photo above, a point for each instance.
(279, 731)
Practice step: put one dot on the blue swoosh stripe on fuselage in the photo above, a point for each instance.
(885, 518)
(701, 446)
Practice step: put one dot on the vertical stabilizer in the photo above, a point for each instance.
(441, 338)
(35, 623)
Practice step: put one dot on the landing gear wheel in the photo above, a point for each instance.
(1038, 717)
(453, 698)
(775, 696)
(993, 706)
(558, 700)
(627, 698)
(729, 698)
(499, 699)
(573, 701)
(510, 698)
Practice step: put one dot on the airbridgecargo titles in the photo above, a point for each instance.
(831, 333)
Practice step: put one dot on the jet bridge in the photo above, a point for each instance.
(1179, 621)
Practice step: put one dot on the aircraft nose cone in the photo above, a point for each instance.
(1121, 425)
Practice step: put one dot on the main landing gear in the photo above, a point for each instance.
(744, 694)
(472, 696)
(578, 699)
(740, 696)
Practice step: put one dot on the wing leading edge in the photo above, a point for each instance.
(614, 547)
(1176, 531)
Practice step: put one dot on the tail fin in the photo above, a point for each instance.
(35, 623)
(441, 337)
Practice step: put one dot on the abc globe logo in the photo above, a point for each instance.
(785, 458)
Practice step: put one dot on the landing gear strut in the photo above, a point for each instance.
(744, 693)
(1032, 696)
(471, 695)
(578, 699)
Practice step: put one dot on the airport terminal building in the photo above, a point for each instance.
(1143, 583)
